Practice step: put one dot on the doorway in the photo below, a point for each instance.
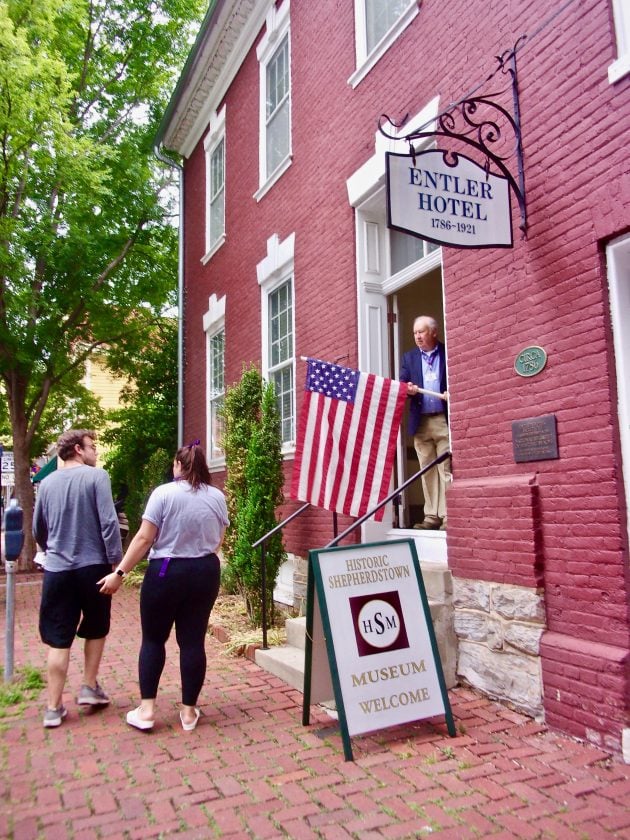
(422, 296)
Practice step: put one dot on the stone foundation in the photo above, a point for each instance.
(499, 628)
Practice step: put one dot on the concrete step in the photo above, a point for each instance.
(286, 662)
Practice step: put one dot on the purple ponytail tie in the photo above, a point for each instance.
(194, 443)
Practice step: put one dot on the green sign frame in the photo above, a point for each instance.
(368, 607)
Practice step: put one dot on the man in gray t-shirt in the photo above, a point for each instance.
(76, 525)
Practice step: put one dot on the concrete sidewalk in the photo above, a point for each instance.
(251, 770)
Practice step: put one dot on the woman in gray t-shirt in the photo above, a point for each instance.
(182, 529)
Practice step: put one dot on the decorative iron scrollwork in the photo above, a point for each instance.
(482, 122)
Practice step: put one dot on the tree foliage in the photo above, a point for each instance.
(253, 458)
(146, 424)
(87, 256)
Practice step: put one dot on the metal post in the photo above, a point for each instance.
(13, 542)
(263, 560)
(9, 567)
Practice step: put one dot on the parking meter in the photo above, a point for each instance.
(13, 532)
(13, 543)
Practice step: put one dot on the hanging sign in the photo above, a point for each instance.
(383, 655)
(448, 199)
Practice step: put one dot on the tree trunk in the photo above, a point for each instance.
(16, 392)
(26, 498)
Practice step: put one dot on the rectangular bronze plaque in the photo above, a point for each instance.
(535, 439)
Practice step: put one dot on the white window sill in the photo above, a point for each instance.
(278, 173)
(619, 68)
(217, 465)
(209, 254)
(365, 65)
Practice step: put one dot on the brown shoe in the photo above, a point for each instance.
(429, 523)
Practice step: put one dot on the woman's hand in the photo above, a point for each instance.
(110, 584)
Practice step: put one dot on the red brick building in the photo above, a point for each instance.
(287, 254)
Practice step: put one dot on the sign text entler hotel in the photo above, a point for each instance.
(448, 199)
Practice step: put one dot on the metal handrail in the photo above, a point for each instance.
(262, 541)
(263, 558)
(391, 496)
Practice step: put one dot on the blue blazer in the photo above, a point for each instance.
(411, 371)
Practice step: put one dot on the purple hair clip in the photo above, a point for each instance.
(194, 443)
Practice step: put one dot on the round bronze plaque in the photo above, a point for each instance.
(530, 361)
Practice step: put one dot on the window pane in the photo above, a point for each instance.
(217, 218)
(217, 427)
(281, 355)
(407, 249)
(216, 380)
(380, 16)
(216, 171)
(283, 383)
(278, 77)
(280, 325)
(278, 108)
(217, 193)
(278, 138)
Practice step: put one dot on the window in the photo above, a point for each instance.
(274, 56)
(214, 145)
(621, 14)
(280, 370)
(275, 278)
(380, 16)
(405, 250)
(217, 193)
(216, 391)
(277, 125)
(214, 327)
(377, 24)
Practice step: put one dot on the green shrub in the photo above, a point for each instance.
(253, 455)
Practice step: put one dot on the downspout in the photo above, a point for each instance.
(157, 151)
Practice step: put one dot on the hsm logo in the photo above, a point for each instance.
(379, 623)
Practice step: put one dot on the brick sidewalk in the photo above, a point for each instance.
(251, 770)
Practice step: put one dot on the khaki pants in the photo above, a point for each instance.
(431, 440)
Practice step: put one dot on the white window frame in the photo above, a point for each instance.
(365, 59)
(621, 66)
(274, 271)
(212, 141)
(213, 325)
(277, 28)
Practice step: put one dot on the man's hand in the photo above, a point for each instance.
(110, 584)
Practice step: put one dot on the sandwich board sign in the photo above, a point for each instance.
(368, 606)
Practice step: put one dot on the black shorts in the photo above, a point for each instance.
(72, 606)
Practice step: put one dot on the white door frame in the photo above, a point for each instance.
(618, 261)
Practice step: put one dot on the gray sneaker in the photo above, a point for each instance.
(53, 717)
(92, 696)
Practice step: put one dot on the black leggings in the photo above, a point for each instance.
(180, 592)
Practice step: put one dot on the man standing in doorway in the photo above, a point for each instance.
(425, 368)
(76, 525)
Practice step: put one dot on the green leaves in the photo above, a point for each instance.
(87, 254)
(253, 457)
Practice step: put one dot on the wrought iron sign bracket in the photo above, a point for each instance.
(484, 124)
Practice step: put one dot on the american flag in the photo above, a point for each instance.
(346, 438)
